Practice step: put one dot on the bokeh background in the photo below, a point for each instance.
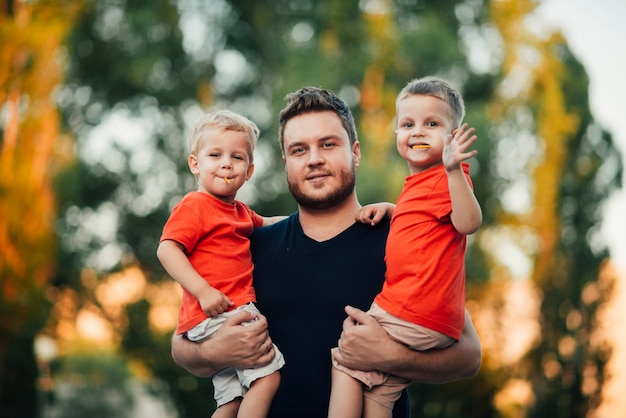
(96, 99)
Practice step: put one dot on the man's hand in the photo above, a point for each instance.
(365, 345)
(235, 344)
(362, 342)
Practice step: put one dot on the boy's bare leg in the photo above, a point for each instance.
(228, 410)
(373, 409)
(256, 403)
(346, 396)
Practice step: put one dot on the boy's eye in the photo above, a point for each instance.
(407, 124)
(432, 123)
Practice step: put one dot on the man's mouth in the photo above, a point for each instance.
(316, 176)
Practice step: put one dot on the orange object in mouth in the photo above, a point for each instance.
(420, 146)
(226, 180)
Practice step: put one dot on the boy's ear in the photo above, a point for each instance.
(192, 161)
(250, 171)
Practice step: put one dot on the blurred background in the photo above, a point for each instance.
(96, 99)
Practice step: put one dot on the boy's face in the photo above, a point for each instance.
(222, 163)
(423, 124)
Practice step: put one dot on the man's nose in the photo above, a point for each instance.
(315, 157)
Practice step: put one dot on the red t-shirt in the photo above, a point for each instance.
(215, 237)
(425, 256)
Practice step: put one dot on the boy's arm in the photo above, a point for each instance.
(270, 220)
(360, 347)
(375, 212)
(177, 265)
(466, 214)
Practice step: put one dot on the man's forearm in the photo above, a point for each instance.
(188, 355)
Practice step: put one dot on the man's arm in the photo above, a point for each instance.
(363, 341)
(233, 345)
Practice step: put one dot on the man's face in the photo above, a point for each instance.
(319, 160)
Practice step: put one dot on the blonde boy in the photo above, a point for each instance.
(205, 248)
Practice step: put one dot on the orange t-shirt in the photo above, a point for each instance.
(425, 256)
(215, 237)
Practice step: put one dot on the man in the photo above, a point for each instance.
(310, 266)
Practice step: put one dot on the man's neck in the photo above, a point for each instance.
(322, 225)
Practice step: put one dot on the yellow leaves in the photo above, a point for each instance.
(377, 101)
(532, 79)
(31, 67)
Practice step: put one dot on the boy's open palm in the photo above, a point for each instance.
(455, 147)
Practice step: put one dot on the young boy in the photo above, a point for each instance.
(205, 248)
(422, 303)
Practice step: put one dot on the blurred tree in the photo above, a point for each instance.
(31, 148)
(141, 72)
(568, 166)
(92, 385)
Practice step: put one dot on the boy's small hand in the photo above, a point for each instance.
(455, 147)
(213, 302)
(374, 213)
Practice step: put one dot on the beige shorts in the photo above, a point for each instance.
(232, 383)
(381, 387)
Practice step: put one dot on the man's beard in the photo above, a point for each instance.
(329, 200)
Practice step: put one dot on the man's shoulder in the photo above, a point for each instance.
(378, 230)
(276, 229)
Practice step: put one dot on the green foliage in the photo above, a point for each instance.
(18, 377)
(92, 385)
(190, 394)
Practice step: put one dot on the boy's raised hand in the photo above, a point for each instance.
(455, 147)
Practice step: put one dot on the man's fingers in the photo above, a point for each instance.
(357, 315)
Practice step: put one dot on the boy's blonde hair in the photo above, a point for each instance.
(224, 120)
(436, 87)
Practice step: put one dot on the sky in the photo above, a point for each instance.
(596, 33)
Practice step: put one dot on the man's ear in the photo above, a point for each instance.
(356, 152)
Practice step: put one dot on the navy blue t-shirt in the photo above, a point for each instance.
(302, 287)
